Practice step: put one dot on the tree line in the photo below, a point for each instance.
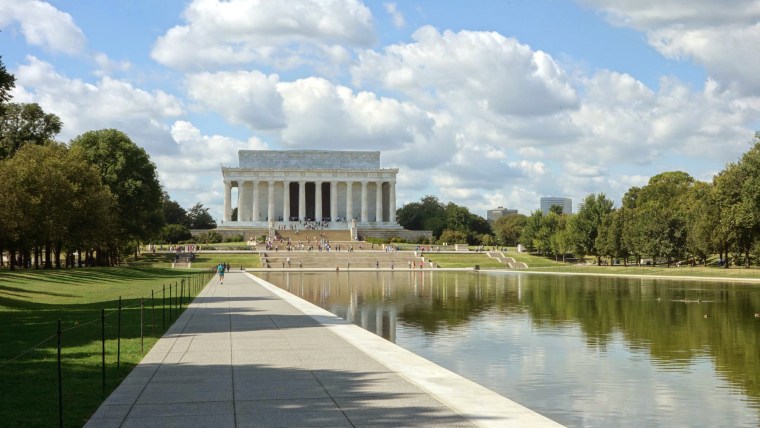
(88, 202)
(673, 218)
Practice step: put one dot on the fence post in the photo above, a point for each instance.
(152, 315)
(60, 379)
(103, 347)
(163, 306)
(118, 338)
(171, 302)
(142, 337)
(181, 292)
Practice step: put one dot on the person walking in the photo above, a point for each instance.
(220, 270)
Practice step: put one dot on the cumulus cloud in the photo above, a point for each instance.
(108, 103)
(193, 173)
(396, 16)
(283, 34)
(478, 70)
(722, 36)
(247, 98)
(43, 25)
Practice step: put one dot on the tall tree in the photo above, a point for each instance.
(26, 124)
(54, 200)
(128, 172)
(587, 222)
(7, 83)
(427, 214)
(508, 228)
(173, 211)
(198, 217)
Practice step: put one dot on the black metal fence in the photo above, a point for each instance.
(173, 300)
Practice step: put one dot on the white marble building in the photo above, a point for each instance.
(275, 187)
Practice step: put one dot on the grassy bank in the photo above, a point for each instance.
(32, 302)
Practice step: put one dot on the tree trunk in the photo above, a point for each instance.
(48, 256)
(79, 258)
(746, 258)
(57, 256)
(12, 256)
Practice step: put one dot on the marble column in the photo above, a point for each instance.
(270, 202)
(240, 201)
(364, 202)
(379, 202)
(349, 201)
(318, 200)
(301, 200)
(227, 201)
(255, 215)
(333, 200)
(392, 202)
(286, 200)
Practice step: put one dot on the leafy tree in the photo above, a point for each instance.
(7, 82)
(198, 217)
(453, 237)
(26, 124)
(529, 235)
(587, 223)
(561, 239)
(703, 221)
(508, 228)
(659, 213)
(173, 211)
(54, 199)
(428, 214)
(609, 240)
(175, 233)
(128, 172)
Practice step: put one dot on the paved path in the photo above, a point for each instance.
(246, 354)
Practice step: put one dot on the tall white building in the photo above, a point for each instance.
(549, 201)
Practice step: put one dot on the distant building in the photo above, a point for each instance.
(549, 201)
(495, 214)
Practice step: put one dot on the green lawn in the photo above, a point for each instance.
(31, 303)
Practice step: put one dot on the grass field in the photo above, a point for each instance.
(32, 302)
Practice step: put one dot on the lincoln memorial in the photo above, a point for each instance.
(340, 188)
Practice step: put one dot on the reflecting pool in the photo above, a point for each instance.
(584, 351)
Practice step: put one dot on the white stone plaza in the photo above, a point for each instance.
(280, 188)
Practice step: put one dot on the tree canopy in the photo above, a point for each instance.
(25, 124)
(126, 169)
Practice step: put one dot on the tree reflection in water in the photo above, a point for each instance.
(582, 350)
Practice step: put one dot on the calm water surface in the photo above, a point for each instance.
(584, 351)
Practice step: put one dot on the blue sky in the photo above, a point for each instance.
(483, 103)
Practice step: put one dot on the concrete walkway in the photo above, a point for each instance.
(247, 354)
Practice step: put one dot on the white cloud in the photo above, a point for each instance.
(285, 34)
(396, 16)
(43, 25)
(723, 36)
(248, 98)
(108, 103)
(193, 173)
(321, 114)
(484, 71)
